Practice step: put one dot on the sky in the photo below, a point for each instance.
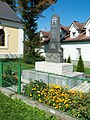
(68, 11)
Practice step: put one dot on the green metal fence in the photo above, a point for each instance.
(10, 74)
(49, 78)
(51, 89)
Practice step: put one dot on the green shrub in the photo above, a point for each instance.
(33, 90)
(80, 65)
(65, 60)
(69, 59)
(9, 78)
(31, 59)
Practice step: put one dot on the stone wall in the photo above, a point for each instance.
(48, 78)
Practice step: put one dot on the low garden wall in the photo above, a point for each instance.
(49, 78)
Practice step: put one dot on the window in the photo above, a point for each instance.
(78, 52)
(89, 32)
(73, 34)
(2, 37)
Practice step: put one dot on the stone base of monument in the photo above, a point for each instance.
(58, 68)
(62, 74)
(55, 68)
(69, 80)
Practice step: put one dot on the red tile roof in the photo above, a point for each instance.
(79, 25)
(45, 33)
(66, 28)
(81, 37)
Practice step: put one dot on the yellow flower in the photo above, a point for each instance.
(57, 101)
(40, 100)
(59, 107)
(38, 91)
(30, 94)
(56, 107)
(65, 101)
(67, 105)
(60, 100)
(33, 88)
(38, 94)
(42, 92)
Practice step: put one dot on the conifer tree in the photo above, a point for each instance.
(69, 59)
(30, 11)
(80, 65)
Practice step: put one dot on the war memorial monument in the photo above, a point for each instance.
(54, 67)
(54, 62)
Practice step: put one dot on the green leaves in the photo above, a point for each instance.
(80, 65)
(69, 59)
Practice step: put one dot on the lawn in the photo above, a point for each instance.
(17, 110)
(25, 66)
(87, 70)
(31, 66)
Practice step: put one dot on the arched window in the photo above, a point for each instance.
(2, 37)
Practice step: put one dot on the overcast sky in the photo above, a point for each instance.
(68, 10)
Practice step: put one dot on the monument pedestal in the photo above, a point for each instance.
(55, 68)
(62, 74)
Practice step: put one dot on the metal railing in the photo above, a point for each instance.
(50, 78)
(10, 74)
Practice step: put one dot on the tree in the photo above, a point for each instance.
(69, 59)
(80, 65)
(11, 3)
(30, 11)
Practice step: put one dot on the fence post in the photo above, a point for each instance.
(48, 89)
(1, 72)
(19, 77)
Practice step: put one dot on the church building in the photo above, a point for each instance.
(11, 33)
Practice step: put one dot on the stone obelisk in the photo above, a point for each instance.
(54, 55)
(54, 51)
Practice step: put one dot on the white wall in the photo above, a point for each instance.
(71, 49)
(87, 30)
(73, 30)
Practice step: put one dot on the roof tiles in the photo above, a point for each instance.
(7, 13)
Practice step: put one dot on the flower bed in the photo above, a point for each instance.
(70, 101)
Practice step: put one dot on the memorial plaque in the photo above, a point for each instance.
(53, 49)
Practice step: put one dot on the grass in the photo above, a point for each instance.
(18, 110)
(15, 65)
(87, 70)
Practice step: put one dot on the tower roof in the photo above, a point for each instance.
(7, 13)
